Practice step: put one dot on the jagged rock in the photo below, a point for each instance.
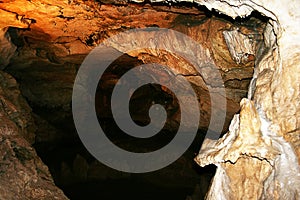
(22, 173)
(275, 93)
(15, 109)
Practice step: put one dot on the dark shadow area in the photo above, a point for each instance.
(80, 175)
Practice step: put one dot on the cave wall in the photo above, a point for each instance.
(257, 159)
(22, 173)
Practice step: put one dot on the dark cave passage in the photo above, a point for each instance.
(80, 175)
(46, 69)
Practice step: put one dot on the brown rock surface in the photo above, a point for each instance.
(57, 35)
(257, 159)
(22, 173)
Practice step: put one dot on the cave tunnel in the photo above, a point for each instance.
(45, 56)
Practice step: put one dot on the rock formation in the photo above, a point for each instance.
(73, 29)
(43, 43)
(22, 173)
(259, 157)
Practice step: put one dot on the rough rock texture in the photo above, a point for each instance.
(7, 48)
(22, 173)
(53, 37)
(259, 157)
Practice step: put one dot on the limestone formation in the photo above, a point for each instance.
(273, 112)
(43, 43)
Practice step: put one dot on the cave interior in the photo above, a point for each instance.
(49, 52)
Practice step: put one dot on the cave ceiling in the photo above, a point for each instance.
(46, 41)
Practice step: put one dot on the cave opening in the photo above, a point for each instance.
(45, 66)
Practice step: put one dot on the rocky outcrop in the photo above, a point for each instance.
(22, 173)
